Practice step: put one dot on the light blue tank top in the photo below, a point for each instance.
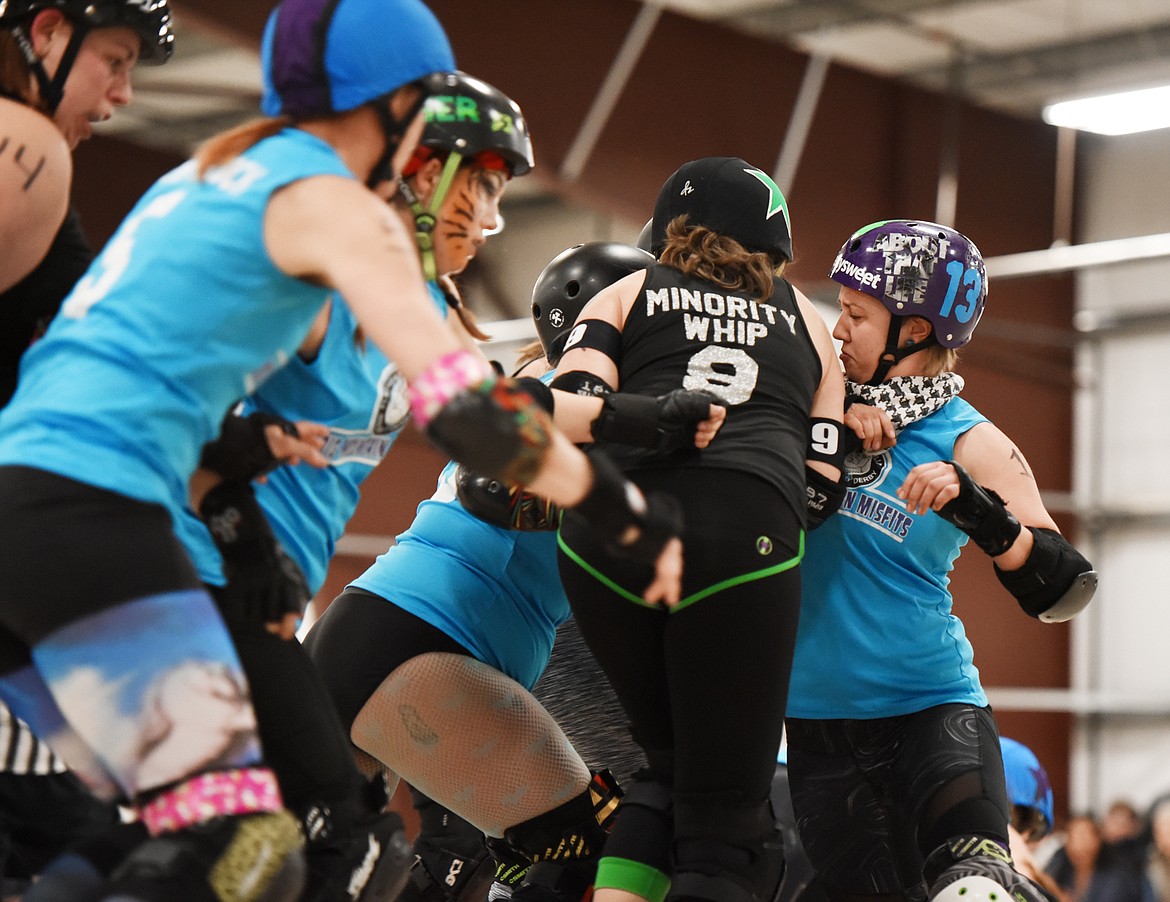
(877, 637)
(495, 591)
(360, 395)
(180, 315)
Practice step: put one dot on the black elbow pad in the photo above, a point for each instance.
(1056, 582)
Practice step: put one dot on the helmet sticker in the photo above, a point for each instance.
(776, 202)
(451, 108)
(502, 122)
(910, 261)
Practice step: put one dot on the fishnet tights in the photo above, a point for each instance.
(472, 739)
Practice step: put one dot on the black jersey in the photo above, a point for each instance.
(27, 307)
(757, 356)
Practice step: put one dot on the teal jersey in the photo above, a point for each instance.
(877, 637)
(352, 388)
(182, 314)
(495, 591)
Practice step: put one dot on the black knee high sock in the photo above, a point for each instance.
(300, 731)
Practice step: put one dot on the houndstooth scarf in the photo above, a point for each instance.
(906, 399)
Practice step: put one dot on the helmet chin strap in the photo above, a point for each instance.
(893, 354)
(52, 89)
(425, 219)
(393, 130)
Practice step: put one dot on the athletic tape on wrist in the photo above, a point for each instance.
(247, 790)
(442, 381)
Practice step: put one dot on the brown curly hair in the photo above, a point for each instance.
(697, 251)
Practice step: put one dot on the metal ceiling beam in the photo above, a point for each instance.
(799, 16)
(800, 122)
(611, 90)
(1055, 62)
(1078, 256)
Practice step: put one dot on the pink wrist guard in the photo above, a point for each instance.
(245, 791)
(443, 380)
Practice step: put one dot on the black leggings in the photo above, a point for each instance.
(704, 685)
(304, 741)
(874, 797)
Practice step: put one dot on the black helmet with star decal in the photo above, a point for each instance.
(729, 196)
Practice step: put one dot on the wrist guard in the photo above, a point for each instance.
(540, 392)
(1056, 582)
(499, 504)
(824, 496)
(241, 452)
(263, 582)
(496, 429)
(630, 522)
(664, 424)
(981, 514)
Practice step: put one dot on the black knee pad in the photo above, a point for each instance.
(960, 849)
(645, 826)
(569, 831)
(448, 854)
(725, 851)
(553, 881)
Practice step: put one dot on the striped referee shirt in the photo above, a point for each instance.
(22, 752)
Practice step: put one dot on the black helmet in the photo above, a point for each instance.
(464, 117)
(645, 236)
(150, 18)
(569, 282)
(728, 196)
(468, 116)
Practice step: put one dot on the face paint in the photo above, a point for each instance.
(469, 213)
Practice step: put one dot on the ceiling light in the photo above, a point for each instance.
(1114, 114)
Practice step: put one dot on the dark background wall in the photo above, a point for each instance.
(874, 152)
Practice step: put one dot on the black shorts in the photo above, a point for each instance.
(860, 789)
(361, 639)
(71, 550)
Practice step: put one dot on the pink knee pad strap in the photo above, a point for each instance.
(442, 381)
(244, 791)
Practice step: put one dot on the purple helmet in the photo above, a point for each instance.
(921, 269)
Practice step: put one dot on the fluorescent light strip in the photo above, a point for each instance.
(1114, 114)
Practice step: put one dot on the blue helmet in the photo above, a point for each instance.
(329, 56)
(1027, 781)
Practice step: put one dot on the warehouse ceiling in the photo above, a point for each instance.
(595, 74)
(1007, 55)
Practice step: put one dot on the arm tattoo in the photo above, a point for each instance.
(1018, 458)
(18, 157)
